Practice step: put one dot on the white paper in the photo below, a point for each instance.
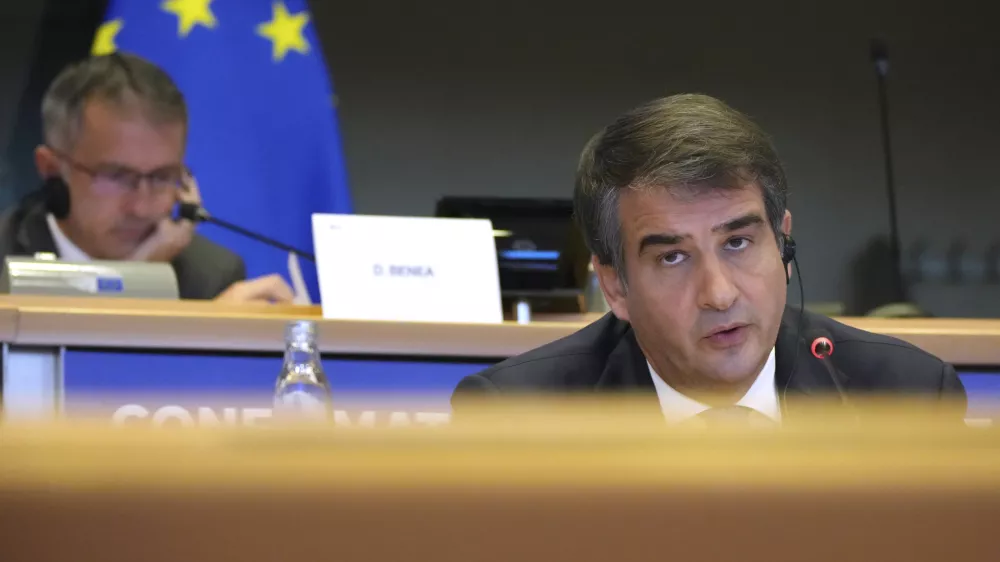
(407, 268)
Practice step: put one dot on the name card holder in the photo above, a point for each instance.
(411, 269)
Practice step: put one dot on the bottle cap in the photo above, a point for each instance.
(301, 330)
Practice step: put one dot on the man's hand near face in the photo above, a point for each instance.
(269, 288)
(170, 237)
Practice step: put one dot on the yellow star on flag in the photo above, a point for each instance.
(189, 14)
(104, 41)
(285, 31)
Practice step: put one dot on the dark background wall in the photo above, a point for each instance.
(450, 97)
(37, 39)
(18, 24)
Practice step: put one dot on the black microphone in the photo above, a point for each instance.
(197, 213)
(880, 56)
(821, 346)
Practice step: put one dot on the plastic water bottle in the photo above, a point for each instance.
(302, 392)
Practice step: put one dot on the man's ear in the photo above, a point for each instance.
(786, 228)
(613, 288)
(46, 162)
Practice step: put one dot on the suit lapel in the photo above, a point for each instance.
(626, 369)
(804, 379)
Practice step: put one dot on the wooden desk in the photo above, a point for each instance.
(54, 321)
(37, 332)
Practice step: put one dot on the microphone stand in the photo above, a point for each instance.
(199, 214)
(880, 58)
(899, 306)
(261, 238)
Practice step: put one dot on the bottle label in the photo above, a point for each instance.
(303, 400)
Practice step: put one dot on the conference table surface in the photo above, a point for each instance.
(201, 325)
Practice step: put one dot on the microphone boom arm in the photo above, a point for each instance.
(261, 238)
(196, 213)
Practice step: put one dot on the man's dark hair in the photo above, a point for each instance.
(687, 141)
(122, 79)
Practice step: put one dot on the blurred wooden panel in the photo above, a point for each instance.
(896, 491)
(501, 525)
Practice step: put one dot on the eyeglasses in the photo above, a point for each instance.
(118, 180)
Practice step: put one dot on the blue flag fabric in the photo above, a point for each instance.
(263, 141)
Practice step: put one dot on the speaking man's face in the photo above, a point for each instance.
(705, 282)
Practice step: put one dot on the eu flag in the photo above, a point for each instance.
(263, 140)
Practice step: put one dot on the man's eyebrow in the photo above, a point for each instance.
(732, 225)
(661, 240)
(749, 219)
(118, 167)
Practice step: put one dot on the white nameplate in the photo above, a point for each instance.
(407, 268)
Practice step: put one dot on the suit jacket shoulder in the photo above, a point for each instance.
(605, 356)
(575, 362)
(205, 269)
(876, 362)
(23, 230)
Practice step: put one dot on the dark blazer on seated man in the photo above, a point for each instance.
(682, 203)
(204, 269)
(605, 357)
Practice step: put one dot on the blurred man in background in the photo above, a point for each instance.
(682, 202)
(115, 130)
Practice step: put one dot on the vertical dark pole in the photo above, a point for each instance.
(880, 58)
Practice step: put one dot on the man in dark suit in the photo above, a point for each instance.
(115, 130)
(682, 202)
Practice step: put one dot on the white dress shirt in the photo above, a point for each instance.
(762, 396)
(65, 248)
